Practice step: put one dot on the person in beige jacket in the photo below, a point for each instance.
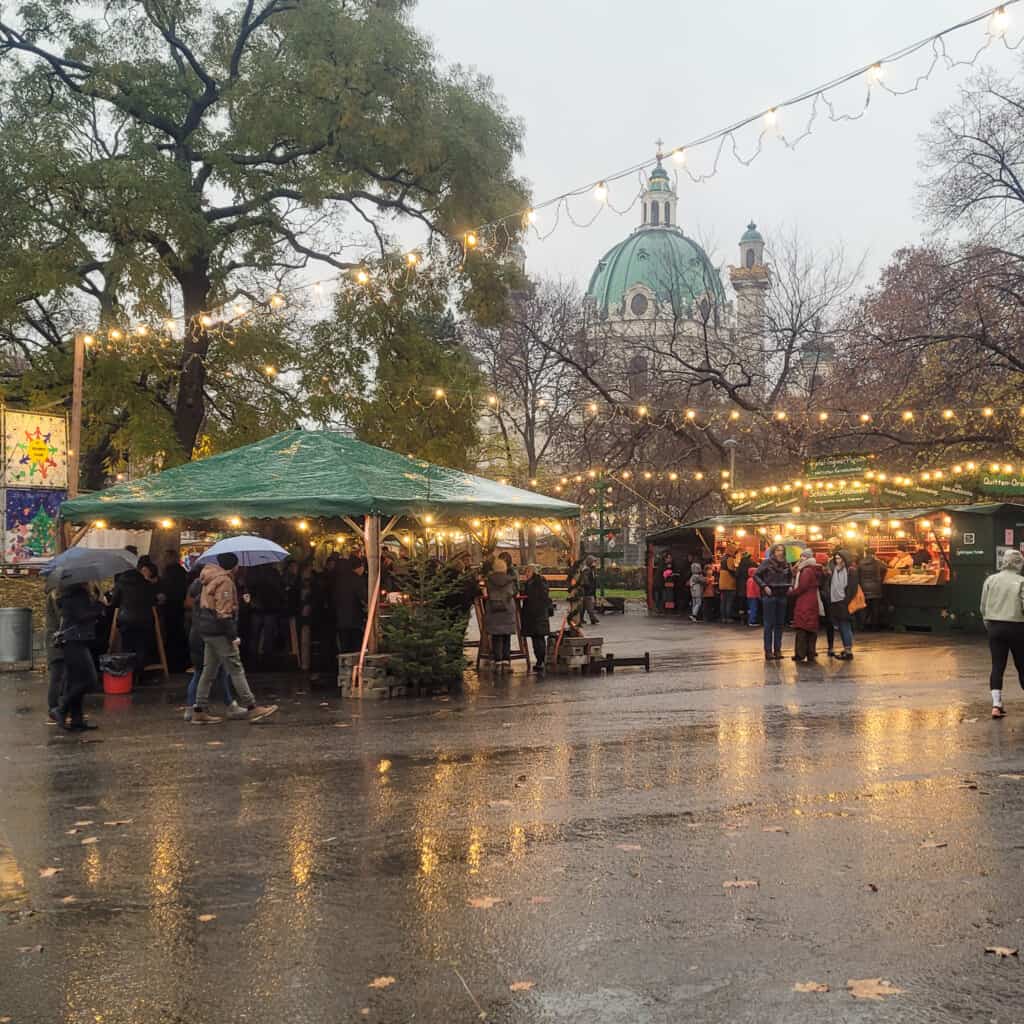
(1002, 608)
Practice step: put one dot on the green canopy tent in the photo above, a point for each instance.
(317, 474)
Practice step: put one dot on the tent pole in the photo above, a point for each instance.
(372, 539)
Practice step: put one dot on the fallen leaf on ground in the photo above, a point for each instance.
(206, 917)
(120, 821)
(30, 949)
(741, 883)
(89, 840)
(342, 725)
(1010, 775)
(872, 887)
(773, 828)
(933, 844)
(86, 807)
(215, 743)
(324, 704)
(6, 1020)
(384, 981)
(82, 824)
(1002, 951)
(521, 986)
(730, 827)
(538, 900)
(49, 872)
(968, 721)
(628, 847)
(871, 988)
(71, 832)
(70, 899)
(364, 1012)
(967, 785)
(484, 902)
(499, 803)
(506, 725)
(810, 986)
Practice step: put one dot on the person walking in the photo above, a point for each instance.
(744, 566)
(54, 653)
(536, 615)
(197, 655)
(711, 602)
(696, 590)
(218, 626)
(1002, 609)
(842, 586)
(500, 613)
(753, 597)
(79, 613)
(134, 596)
(806, 603)
(588, 580)
(872, 575)
(727, 583)
(774, 578)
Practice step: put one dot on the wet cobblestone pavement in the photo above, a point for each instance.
(553, 852)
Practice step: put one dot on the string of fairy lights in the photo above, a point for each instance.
(498, 235)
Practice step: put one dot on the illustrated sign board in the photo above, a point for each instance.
(35, 450)
(30, 525)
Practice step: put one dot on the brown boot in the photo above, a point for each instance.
(261, 713)
(204, 718)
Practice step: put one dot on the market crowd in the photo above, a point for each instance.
(838, 593)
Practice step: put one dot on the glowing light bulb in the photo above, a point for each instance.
(531, 216)
(166, 524)
(673, 476)
(771, 117)
(411, 259)
(958, 469)
(642, 410)
(1007, 468)
(270, 371)
(875, 74)
(741, 532)
(115, 334)
(894, 524)
(691, 414)
(971, 466)
(303, 526)
(362, 277)
(719, 529)
(999, 22)
(780, 415)
(907, 415)
(988, 411)
(492, 399)
(648, 475)
(994, 467)
(428, 519)
(439, 393)
(601, 192)
(679, 155)
(100, 524)
(276, 300)
(734, 415)
(822, 416)
(865, 417)
(88, 340)
(698, 476)
(235, 522)
(876, 522)
(471, 240)
(947, 531)
(206, 320)
(592, 408)
(948, 414)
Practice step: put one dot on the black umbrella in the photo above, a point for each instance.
(80, 565)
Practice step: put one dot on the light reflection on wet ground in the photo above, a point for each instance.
(592, 822)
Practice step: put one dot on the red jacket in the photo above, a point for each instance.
(753, 590)
(805, 608)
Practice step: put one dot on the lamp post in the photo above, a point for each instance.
(77, 376)
(732, 444)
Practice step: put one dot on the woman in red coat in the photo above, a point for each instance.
(806, 606)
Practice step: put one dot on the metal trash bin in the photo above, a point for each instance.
(15, 636)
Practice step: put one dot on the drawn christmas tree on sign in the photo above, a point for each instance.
(34, 455)
(42, 535)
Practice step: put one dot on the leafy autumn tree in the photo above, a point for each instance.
(167, 159)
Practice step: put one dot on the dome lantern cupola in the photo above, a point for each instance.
(659, 198)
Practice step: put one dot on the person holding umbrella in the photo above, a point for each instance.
(218, 622)
(70, 573)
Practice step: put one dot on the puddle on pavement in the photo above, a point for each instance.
(13, 894)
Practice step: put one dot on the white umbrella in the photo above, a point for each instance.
(249, 551)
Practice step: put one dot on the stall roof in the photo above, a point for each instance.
(825, 518)
(309, 473)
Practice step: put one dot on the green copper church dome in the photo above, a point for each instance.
(673, 267)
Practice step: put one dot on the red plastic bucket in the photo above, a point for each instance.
(120, 683)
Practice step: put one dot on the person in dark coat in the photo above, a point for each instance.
(135, 596)
(842, 586)
(54, 653)
(174, 587)
(774, 577)
(872, 575)
(588, 581)
(266, 607)
(79, 613)
(500, 613)
(805, 592)
(349, 600)
(536, 614)
(743, 570)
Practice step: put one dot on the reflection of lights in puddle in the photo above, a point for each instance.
(428, 855)
(93, 866)
(475, 851)
(384, 766)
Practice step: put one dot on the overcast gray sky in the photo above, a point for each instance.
(597, 81)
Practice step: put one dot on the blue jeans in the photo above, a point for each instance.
(753, 610)
(774, 620)
(845, 627)
(193, 686)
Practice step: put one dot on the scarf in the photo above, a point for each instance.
(837, 588)
(800, 566)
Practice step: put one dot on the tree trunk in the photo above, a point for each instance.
(190, 409)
